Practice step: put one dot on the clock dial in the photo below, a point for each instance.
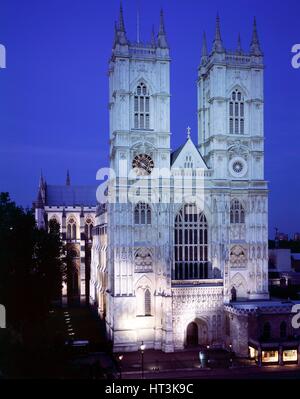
(143, 164)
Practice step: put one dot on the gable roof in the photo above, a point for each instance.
(187, 147)
(71, 195)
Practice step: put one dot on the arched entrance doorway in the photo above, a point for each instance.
(197, 333)
(192, 335)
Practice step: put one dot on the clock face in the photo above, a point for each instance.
(143, 164)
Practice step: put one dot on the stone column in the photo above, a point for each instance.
(259, 355)
(280, 357)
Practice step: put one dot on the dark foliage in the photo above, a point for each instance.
(32, 268)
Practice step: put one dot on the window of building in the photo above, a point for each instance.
(267, 331)
(269, 356)
(237, 212)
(290, 355)
(236, 113)
(71, 229)
(142, 213)
(142, 107)
(253, 353)
(283, 328)
(188, 162)
(88, 229)
(233, 294)
(191, 244)
(147, 302)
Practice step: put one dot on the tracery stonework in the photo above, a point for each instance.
(143, 260)
(238, 257)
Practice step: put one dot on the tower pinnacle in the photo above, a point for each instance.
(120, 32)
(218, 44)
(162, 38)
(68, 179)
(204, 50)
(239, 49)
(255, 46)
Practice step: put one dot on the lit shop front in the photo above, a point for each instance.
(265, 354)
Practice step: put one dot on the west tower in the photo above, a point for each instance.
(138, 294)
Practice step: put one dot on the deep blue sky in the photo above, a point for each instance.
(54, 92)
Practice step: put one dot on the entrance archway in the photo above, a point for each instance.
(192, 335)
(197, 333)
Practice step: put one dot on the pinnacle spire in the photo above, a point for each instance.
(204, 49)
(42, 181)
(239, 45)
(120, 32)
(116, 34)
(121, 19)
(153, 41)
(162, 22)
(218, 44)
(68, 179)
(39, 202)
(255, 46)
(162, 38)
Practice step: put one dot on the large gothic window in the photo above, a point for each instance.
(142, 213)
(142, 107)
(88, 229)
(237, 212)
(236, 113)
(191, 244)
(71, 229)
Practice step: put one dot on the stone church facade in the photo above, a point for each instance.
(179, 254)
(169, 263)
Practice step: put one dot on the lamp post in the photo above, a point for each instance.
(120, 357)
(231, 355)
(142, 349)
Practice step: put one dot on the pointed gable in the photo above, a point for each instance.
(187, 156)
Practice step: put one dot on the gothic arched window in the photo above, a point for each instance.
(233, 294)
(191, 244)
(71, 229)
(147, 295)
(237, 212)
(142, 107)
(236, 113)
(142, 213)
(88, 229)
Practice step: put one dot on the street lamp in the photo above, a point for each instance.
(142, 349)
(120, 357)
(231, 355)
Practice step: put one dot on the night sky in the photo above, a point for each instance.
(54, 92)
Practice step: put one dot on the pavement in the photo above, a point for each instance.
(157, 362)
(83, 324)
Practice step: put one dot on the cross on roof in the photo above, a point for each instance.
(188, 129)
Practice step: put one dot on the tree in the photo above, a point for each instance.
(31, 265)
